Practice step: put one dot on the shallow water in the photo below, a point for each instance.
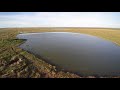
(80, 53)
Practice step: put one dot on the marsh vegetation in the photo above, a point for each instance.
(16, 63)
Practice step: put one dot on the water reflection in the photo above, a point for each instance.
(81, 53)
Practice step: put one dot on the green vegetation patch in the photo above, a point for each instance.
(17, 63)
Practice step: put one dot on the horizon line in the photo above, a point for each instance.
(63, 27)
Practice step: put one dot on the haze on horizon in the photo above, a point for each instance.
(60, 19)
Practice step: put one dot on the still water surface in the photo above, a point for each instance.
(80, 53)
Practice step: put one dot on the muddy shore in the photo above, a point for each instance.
(17, 63)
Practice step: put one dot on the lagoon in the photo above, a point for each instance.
(79, 53)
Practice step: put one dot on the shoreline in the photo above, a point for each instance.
(58, 68)
(31, 66)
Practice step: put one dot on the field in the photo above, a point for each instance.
(17, 63)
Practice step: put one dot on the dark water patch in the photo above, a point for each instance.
(80, 53)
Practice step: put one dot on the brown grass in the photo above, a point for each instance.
(16, 63)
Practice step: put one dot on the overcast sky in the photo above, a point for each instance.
(60, 19)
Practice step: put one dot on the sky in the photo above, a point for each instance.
(60, 19)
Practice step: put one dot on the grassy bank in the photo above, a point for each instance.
(16, 63)
(109, 34)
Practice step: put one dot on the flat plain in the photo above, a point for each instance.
(17, 63)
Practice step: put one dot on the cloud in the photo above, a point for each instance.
(58, 19)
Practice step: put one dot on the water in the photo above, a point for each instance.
(79, 53)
